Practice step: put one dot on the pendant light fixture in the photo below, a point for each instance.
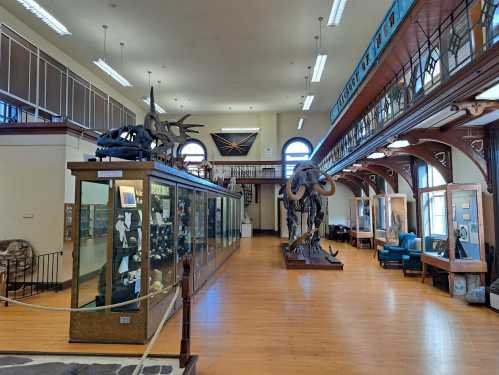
(147, 99)
(45, 16)
(307, 103)
(336, 12)
(101, 63)
(320, 60)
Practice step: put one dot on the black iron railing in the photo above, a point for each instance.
(32, 275)
(456, 43)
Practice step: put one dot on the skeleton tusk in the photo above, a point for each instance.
(291, 195)
(322, 191)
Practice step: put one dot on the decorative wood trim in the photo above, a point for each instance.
(401, 164)
(388, 174)
(31, 128)
(354, 188)
(437, 154)
(469, 140)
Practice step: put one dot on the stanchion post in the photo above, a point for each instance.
(185, 344)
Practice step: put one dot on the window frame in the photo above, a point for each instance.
(288, 143)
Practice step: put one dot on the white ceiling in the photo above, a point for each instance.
(215, 54)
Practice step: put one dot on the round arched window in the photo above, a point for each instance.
(194, 152)
(295, 150)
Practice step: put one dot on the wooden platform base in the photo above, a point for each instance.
(319, 262)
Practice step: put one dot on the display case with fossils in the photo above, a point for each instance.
(149, 217)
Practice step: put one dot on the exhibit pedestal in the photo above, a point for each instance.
(321, 261)
(246, 230)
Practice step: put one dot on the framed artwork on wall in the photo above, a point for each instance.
(234, 144)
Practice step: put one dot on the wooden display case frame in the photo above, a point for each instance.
(452, 265)
(356, 234)
(387, 214)
(136, 326)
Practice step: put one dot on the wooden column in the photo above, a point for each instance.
(185, 343)
(493, 166)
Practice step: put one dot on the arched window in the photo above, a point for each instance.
(295, 149)
(194, 152)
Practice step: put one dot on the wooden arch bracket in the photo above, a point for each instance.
(388, 174)
(353, 186)
(365, 179)
(436, 154)
(471, 141)
(400, 164)
(361, 184)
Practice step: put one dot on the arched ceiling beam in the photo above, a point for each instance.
(364, 178)
(437, 154)
(356, 181)
(469, 140)
(401, 164)
(388, 174)
(355, 189)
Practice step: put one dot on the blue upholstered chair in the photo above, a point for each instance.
(411, 262)
(392, 254)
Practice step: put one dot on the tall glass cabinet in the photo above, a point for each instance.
(134, 223)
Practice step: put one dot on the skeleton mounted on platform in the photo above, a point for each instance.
(303, 193)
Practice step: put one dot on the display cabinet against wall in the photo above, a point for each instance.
(390, 217)
(451, 218)
(134, 223)
(361, 225)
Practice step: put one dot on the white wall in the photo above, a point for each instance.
(339, 206)
(21, 28)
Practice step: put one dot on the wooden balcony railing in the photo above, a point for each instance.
(252, 171)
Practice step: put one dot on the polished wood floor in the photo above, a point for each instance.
(255, 317)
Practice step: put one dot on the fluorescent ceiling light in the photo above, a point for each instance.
(320, 63)
(157, 107)
(357, 165)
(300, 123)
(336, 12)
(376, 155)
(308, 102)
(399, 144)
(230, 130)
(490, 94)
(113, 73)
(347, 170)
(45, 16)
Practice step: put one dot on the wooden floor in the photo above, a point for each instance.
(255, 317)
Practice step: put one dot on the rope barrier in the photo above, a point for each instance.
(82, 309)
(140, 364)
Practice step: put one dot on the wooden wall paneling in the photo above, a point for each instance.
(4, 62)
(19, 70)
(33, 58)
(41, 84)
(53, 88)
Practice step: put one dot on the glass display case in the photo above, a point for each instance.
(134, 223)
(451, 221)
(361, 230)
(390, 217)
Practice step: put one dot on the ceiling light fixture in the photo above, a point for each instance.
(399, 144)
(45, 16)
(308, 102)
(347, 170)
(158, 108)
(231, 130)
(357, 165)
(490, 94)
(300, 123)
(336, 12)
(376, 155)
(320, 61)
(101, 63)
